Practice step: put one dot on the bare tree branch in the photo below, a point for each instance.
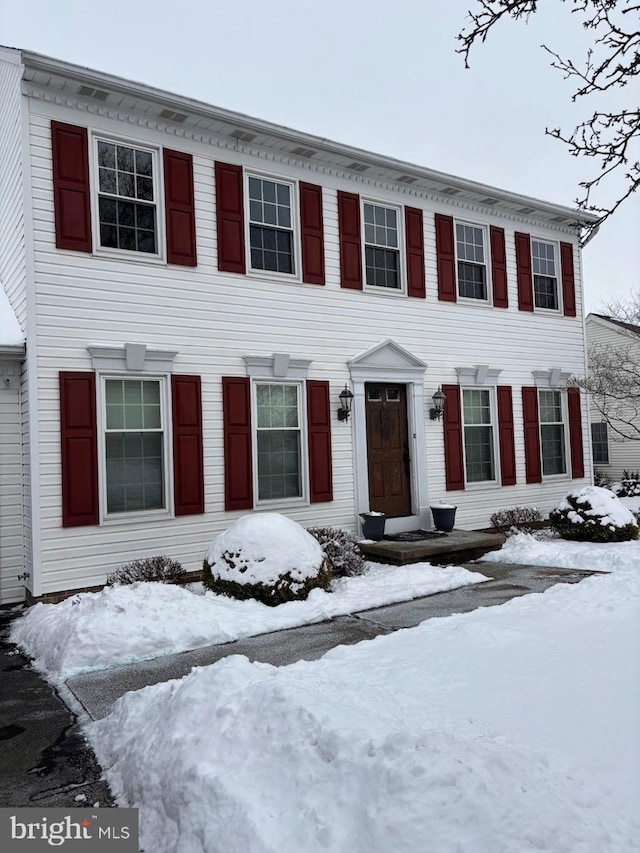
(610, 138)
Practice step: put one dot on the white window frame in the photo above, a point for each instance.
(167, 449)
(480, 484)
(565, 423)
(158, 193)
(298, 500)
(402, 277)
(593, 443)
(556, 259)
(488, 300)
(295, 276)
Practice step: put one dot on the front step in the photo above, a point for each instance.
(455, 547)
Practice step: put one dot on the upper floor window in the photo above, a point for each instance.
(545, 278)
(472, 261)
(381, 246)
(552, 433)
(127, 198)
(271, 237)
(600, 443)
(477, 417)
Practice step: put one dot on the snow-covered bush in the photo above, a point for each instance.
(601, 479)
(520, 517)
(160, 568)
(593, 514)
(266, 556)
(630, 483)
(341, 547)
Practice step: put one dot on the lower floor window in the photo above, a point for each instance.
(134, 445)
(279, 441)
(600, 443)
(552, 433)
(478, 435)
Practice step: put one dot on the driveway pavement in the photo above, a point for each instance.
(44, 759)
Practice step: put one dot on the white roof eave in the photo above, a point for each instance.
(86, 76)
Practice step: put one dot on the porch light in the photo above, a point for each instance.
(345, 398)
(438, 405)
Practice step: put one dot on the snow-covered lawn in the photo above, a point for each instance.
(123, 624)
(505, 730)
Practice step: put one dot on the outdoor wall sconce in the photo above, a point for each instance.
(438, 405)
(345, 398)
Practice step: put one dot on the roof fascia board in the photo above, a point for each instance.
(99, 79)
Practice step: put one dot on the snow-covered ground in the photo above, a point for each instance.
(505, 730)
(123, 624)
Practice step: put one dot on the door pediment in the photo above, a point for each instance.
(386, 360)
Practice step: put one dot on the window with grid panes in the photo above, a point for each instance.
(270, 226)
(134, 442)
(279, 441)
(126, 198)
(552, 433)
(472, 265)
(545, 279)
(381, 246)
(478, 435)
(600, 443)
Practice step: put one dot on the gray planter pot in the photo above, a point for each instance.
(373, 525)
(444, 517)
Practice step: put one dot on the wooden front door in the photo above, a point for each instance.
(388, 449)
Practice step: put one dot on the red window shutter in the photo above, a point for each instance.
(568, 280)
(319, 433)
(79, 449)
(530, 416)
(312, 230)
(506, 436)
(238, 468)
(350, 241)
(575, 433)
(415, 252)
(446, 259)
(180, 208)
(188, 468)
(71, 201)
(230, 218)
(523, 269)
(453, 456)
(498, 268)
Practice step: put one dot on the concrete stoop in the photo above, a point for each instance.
(446, 548)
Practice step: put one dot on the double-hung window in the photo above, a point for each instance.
(477, 418)
(279, 441)
(127, 197)
(271, 234)
(552, 433)
(134, 445)
(471, 261)
(600, 443)
(545, 276)
(382, 246)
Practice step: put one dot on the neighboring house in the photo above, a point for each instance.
(611, 453)
(196, 289)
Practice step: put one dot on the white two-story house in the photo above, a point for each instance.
(197, 287)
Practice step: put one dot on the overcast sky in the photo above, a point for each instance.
(379, 75)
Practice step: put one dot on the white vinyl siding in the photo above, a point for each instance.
(214, 319)
(11, 558)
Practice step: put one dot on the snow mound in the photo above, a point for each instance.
(239, 756)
